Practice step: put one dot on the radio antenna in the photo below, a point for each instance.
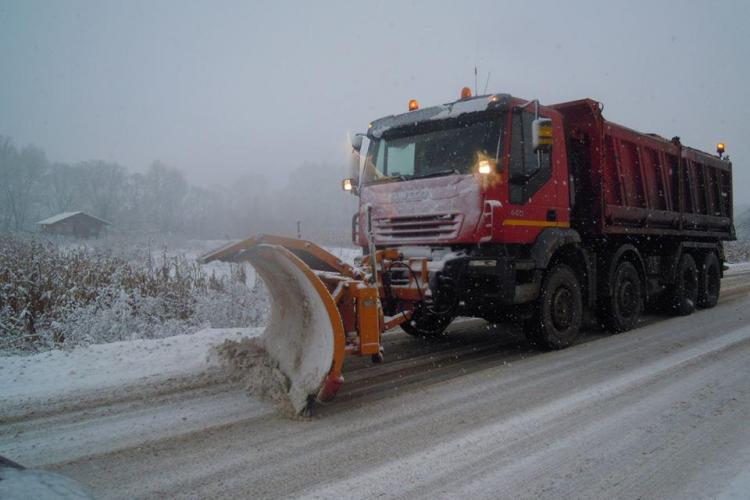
(487, 82)
(475, 79)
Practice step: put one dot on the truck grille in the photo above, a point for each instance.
(418, 227)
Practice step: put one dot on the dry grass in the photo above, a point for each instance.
(51, 296)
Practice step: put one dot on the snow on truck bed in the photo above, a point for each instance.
(42, 381)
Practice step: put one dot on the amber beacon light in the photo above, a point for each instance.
(413, 105)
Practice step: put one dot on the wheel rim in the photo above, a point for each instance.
(627, 298)
(562, 308)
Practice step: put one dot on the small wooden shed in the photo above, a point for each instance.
(78, 224)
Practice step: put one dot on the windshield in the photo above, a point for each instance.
(439, 152)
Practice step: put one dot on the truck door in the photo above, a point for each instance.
(537, 190)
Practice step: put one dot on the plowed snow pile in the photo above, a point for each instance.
(248, 361)
(51, 380)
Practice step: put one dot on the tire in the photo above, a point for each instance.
(683, 295)
(624, 306)
(557, 315)
(709, 281)
(426, 325)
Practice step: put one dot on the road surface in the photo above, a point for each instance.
(662, 411)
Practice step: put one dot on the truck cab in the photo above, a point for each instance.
(464, 173)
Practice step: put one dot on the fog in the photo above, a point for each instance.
(223, 90)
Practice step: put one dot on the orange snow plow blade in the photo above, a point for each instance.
(322, 309)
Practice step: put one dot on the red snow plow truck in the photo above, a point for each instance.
(504, 209)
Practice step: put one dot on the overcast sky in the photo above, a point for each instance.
(224, 88)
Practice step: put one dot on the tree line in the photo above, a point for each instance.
(161, 200)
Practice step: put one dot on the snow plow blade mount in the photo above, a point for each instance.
(316, 299)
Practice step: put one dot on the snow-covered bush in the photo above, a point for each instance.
(737, 251)
(65, 296)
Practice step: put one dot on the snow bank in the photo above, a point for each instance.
(44, 380)
(249, 362)
(738, 267)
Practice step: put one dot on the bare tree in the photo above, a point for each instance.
(63, 188)
(104, 184)
(133, 209)
(166, 189)
(20, 175)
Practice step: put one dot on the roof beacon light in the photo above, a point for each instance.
(720, 148)
(484, 167)
(413, 105)
(465, 93)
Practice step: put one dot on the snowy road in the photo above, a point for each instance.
(659, 412)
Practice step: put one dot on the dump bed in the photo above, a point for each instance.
(627, 182)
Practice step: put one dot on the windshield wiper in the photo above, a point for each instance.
(439, 173)
(400, 178)
(387, 178)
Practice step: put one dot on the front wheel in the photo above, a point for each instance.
(427, 324)
(556, 319)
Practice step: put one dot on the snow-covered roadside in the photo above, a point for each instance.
(45, 380)
(739, 267)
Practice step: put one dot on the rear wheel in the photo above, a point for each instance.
(625, 304)
(683, 294)
(556, 319)
(427, 324)
(709, 281)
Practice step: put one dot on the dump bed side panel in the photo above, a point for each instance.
(643, 183)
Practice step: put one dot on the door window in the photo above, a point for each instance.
(529, 170)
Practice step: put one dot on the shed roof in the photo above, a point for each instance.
(67, 215)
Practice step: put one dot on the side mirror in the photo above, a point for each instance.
(541, 134)
(351, 184)
(357, 142)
